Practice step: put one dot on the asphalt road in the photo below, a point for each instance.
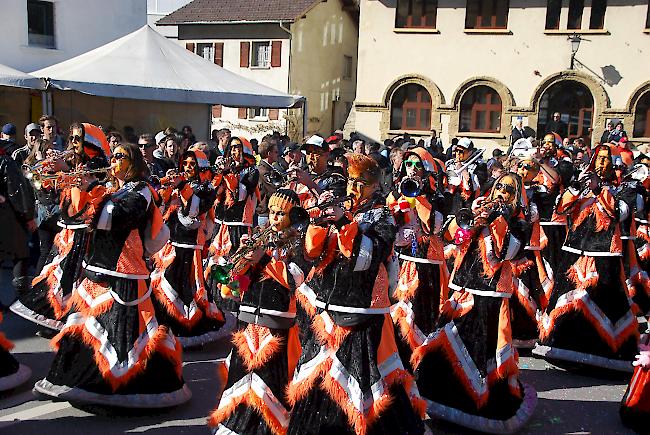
(567, 402)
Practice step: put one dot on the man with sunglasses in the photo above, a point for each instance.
(157, 167)
(461, 193)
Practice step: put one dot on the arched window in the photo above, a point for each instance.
(642, 116)
(480, 110)
(410, 108)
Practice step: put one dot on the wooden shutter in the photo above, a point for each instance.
(190, 46)
(244, 54)
(242, 113)
(276, 54)
(216, 111)
(218, 53)
(274, 114)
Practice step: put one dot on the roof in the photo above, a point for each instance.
(144, 65)
(225, 11)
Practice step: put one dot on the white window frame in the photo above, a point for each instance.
(257, 45)
(43, 44)
(259, 114)
(199, 50)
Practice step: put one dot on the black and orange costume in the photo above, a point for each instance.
(423, 274)
(47, 302)
(112, 351)
(350, 377)
(266, 344)
(589, 319)
(635, 406)
(467, 368)
(12, 373)
(180, 296)
(237, 196)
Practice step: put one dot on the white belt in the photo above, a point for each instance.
(628, 237)
(480, 292)
(546, 224)
(233, 224)
(284, 314)
(184, 245)
(130, 303)
(419, 260)
(641, 221)
(72, 226)
(591, 253)
(113, 272)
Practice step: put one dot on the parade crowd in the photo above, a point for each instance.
(362, 286)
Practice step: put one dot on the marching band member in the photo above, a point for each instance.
(635, 406)
(642, 216)
(237, 196)
(589, 319)
(462, 191)
(180, 297)
(12, 373)
(266, 343)
(534, 284)
(423, 274)
(46, 302)
(467, 367)
(112, 351)
(350, 377)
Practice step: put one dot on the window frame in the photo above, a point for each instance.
(637, 112)
(418, 106)
(253, 53)
(477, 6)
(348, 64)
(575, 7)
(601, 23)
(209, 45)
(488, 108)
(428, 7)
(252, 115)
(42, 40)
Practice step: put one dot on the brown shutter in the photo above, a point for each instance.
(216, 111)
(242, 113)
(244, 54)
(218, 53)
(190, 46)
(274, 114)
(276, 54)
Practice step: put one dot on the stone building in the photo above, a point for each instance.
(473, 68)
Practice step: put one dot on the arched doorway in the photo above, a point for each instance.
(575, 104)
(410, 108)
(642, 116)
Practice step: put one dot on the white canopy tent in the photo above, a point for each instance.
(145, 65)
(18, 79)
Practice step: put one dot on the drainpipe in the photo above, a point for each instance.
(288, 30)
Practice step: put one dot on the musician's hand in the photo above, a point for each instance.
(255, 256)
(303, 177)
(478, 203)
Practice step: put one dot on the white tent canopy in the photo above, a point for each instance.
(18, 79)
(145, 65)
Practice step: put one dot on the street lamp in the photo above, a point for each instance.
(575, 40)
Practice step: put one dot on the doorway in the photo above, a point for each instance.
(576, 106)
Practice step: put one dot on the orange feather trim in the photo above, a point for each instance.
(520, 266)
(408, 281)
(249, 398)
(583, 273)
(256, 358)
(525, 303)
(305, 304)
(153, 345)
(406, 331)
(162, 298)
(78, 303)
(337, 334)
(297, 391)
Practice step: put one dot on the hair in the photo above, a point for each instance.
(42, 119)
(115, 134)
(519, 185)
(265, 148)
(138, 168)
(361, 164)
(222, 132)
(170, 131)
(78, 126)
(149, 138)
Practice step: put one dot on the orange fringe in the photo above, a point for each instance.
(252, 400)
(332, 339)
(260, 356)
(161, 297)
(297, 391)
(406, 331)
(154, 345)
(408, 281)
(585, 265)
(79, 304)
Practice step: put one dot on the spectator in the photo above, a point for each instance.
(50, 127)
(395, 158)
(618, 133)
(518, 131)
(171, 149)
(604, 138)
(268, 152)
(292, 156)
(157, 166)
(556, 125)
(32, 135)
(358, 147)
(114, 139)
(223, 139)
(8, 137)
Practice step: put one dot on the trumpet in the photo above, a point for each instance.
(638, 172)
(62, 180)
(454, 175)
(279, 178)
(468, 220)
(332, 202)
(170, 177)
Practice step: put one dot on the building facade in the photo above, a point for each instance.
(40, 33)
(302, 47)
(473, 68)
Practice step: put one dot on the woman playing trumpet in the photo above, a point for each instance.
(423, 274)
(266, 345)
(180, 295)
(467, 367)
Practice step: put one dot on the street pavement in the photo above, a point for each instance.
(567, 402)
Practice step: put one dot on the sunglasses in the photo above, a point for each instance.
(75, 138)
(508, 188)
(458, 150)
(146, 145)
(119, 156)
(413, 164)
(525, 166)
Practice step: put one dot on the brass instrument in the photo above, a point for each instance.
(170, 177)
(638, 172)
(228, 273)
(336, 201)
(411, 187)
(280, 178)
(469, 220)
(62, 180)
